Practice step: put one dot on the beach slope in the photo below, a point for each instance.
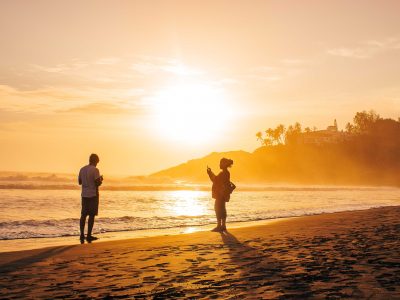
(348, 254)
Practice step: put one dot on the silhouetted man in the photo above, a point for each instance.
(90, 179)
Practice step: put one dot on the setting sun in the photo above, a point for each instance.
(190, 112)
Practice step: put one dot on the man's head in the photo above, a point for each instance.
(94, 159)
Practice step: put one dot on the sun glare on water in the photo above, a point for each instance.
(190, 112)
(187, 203)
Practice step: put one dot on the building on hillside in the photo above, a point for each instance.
(330, 135)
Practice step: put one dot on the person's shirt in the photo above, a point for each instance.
(220, 184)
(224, 177)
(87, 177)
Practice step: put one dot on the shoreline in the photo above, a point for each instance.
(17, 245)
(28, 244)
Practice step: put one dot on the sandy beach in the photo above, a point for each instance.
(330, 256)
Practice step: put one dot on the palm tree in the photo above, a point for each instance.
(278, 134)
(297, 127)
(292, 133)
(350, 128)
(260, 137)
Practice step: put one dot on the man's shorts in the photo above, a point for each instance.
(90, 206)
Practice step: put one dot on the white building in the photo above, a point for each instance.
(330, 135)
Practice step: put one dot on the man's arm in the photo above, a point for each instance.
(79, 179)
(99, 179)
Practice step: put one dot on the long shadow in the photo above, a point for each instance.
(26, 261)
(249, 259)
(259, 268)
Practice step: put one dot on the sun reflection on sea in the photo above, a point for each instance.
(190, 230)
(187, 203)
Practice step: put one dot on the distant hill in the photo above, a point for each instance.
(302, 164)
(266, 164)
(195, 170)
(364, 157)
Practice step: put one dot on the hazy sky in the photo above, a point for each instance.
(149, 84)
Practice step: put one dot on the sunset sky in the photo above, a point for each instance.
(150, 84)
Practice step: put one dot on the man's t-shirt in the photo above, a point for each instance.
(88, 175)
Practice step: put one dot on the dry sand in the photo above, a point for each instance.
(329, 256)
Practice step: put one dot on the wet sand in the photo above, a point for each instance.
(330, 256)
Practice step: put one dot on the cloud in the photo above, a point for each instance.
(52, 100)
(100, 72)
(281, 70)
(106, 73)
(293, 61)
(366, 49)
(99, 108)
(359, 53)
(108, 61)
(151, 66)
(61, 68)
(76, 64)
(264, 69)
(265, 77)
(181, 69)
(145, 67)
(264, 73)
(228, 81)
(39, 101)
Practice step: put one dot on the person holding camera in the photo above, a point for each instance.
(90, 180)
(221, 190)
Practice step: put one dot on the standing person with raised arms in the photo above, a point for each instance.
(221, 190)
(90, 179)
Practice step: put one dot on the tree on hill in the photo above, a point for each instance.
(272, 136)
(259, 136)
(363, 122)
(278, 134)
(292, 133)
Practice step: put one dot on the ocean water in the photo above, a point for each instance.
(28, 214)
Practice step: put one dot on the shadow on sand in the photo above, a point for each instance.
(262, 273)
(39, 255)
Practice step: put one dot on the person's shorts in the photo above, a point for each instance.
(90, 206)
(220, 209)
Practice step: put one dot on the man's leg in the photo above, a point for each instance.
(90, 225)
(223, 224)
(82, 225)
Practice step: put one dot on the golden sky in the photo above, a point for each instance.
(149, 84)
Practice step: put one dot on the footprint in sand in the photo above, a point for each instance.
(150, 279)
